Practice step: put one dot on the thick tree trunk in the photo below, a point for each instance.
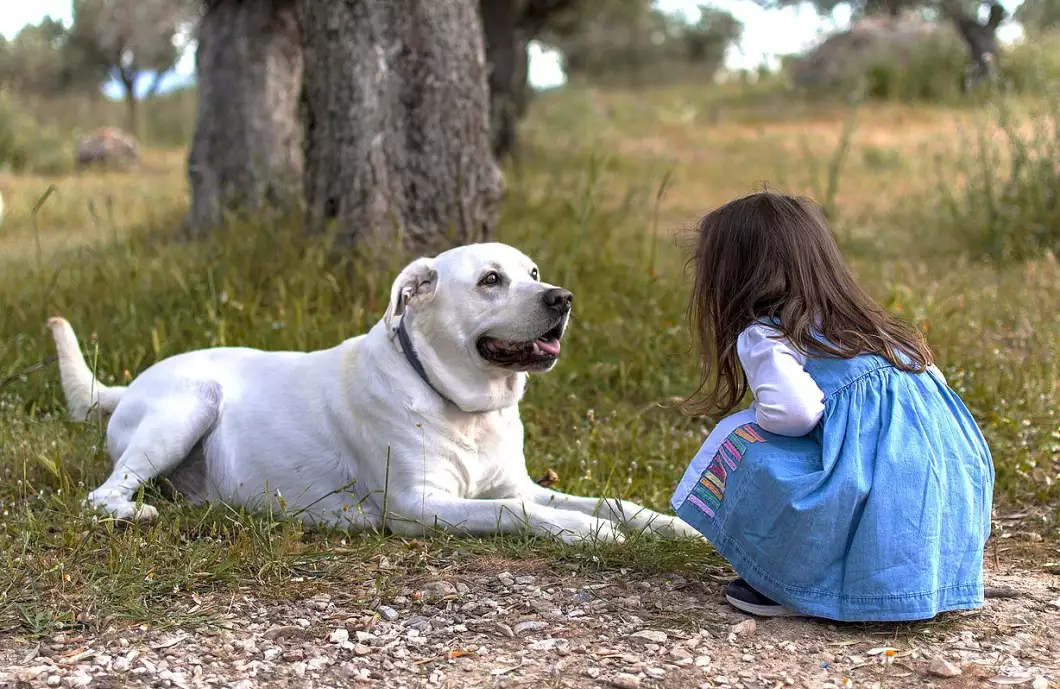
(247, 150)
(128, 82)
(397, 121)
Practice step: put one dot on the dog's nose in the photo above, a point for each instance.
(557, 299)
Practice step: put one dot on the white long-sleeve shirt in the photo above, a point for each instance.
(786, 399)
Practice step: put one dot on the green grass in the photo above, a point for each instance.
(584, 206)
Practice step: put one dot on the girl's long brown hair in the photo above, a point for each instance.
(773, 256)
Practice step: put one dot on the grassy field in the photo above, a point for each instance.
(601, 196)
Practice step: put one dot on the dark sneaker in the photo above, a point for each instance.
(744, 598)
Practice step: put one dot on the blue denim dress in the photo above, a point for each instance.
(881, 513)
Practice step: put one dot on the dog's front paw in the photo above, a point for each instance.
(678, 528)
(120, 509)
(593, 531)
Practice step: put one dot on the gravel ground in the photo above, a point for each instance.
(487, 627)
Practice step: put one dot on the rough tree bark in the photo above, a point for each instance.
(397, 121)
(247, 150)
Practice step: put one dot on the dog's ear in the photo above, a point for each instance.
(416, 282)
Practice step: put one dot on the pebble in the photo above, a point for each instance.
(388, 613)
(940, 667)
(646, 636)
(339, 636)
(438, 590)
(745, 628)
(506, 578)
(419, 623)
(1040, 683)
(361, 649)
(529, 626)
(625, 681)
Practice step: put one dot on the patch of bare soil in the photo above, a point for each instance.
(481, 627)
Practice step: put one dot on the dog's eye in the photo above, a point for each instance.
(534, 273)
(489, 279)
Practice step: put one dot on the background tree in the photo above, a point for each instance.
(631, 41)
(374, 114)
(38, 61)
(1039, 15)
(130, 38)
(509, 26)
(247, 147)
(397, 127)
(979, 37)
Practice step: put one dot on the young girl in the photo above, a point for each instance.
(857, 487)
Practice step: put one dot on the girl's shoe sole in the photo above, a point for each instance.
(761, 610)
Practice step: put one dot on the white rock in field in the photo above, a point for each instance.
(940, 667)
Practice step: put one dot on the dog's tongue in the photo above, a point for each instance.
(548, 346)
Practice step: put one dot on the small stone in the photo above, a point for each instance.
(529, 626)
(1038, 683)
(648, 636)
(525, 580)
(363, 637)
(625, 681)
(703, 661)
(680, 653)
(419, 623)
(54, 680)
(940, 667)
(745, 628)
(506, 578)
(339, 636)
(29, 674)
(361, 649)
(438, 590)
(388, 613)
(656, 672)
(462, 588)
(302, 622)
(271, 654)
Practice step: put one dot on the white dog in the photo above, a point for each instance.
(410, 427)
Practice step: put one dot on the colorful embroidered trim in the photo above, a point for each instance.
(708, 493)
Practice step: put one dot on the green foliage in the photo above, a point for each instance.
(27, 146)
(1033, 66)
(604, 419)
(1009, 206)
(1039, 15)
(633, 42)
(39, 61)
(932, 72)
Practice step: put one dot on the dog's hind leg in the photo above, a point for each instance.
(161, 438)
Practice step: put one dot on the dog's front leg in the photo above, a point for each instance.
(630, 514)
(480, 517)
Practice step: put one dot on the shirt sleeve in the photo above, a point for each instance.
(786, 399)
(935, 369)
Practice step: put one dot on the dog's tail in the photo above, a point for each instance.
(86, 397)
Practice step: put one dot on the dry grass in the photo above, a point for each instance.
(583, 203)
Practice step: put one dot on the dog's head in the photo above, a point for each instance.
(480, 319)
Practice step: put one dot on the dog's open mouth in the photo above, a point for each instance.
(532, 354)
